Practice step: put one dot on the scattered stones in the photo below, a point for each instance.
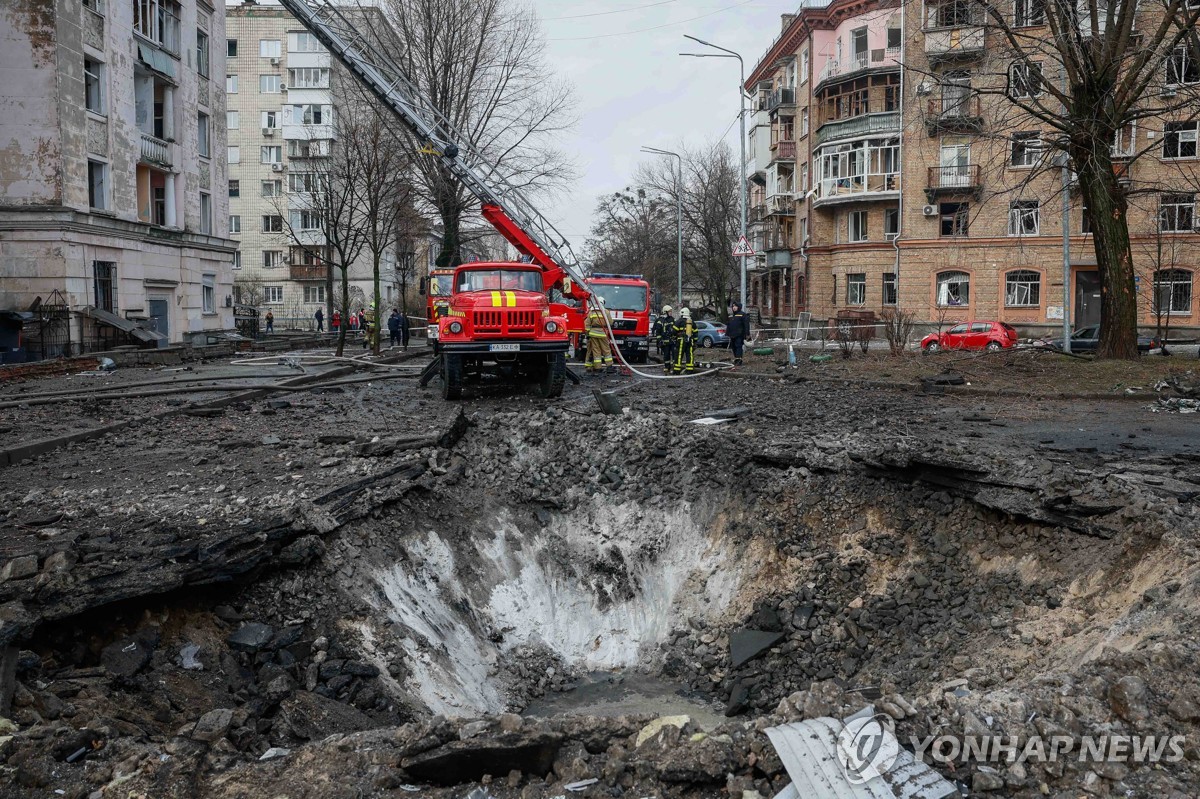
(212, 725)
(251, 637)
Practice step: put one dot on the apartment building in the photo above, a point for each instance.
(281, 86)
(918, 185)
(112, 171)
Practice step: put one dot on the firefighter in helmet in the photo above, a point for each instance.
(599, 349)
(664, 333)
(685, 343)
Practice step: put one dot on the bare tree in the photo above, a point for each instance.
(635, 230)
(481, 64)
(1089, 72)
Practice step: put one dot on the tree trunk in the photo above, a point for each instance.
(341, 345)
(377, 324)
(1108, 208)
(450, 254)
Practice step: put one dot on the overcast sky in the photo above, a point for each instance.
(633, 89)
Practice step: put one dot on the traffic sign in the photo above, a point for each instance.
(742, 247)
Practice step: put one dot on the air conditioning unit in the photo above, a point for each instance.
(268, 131)
(274, 62)
(283, 87)
(924, 88)
(279, 168)
(929, 210)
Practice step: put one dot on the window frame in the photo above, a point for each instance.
(235, 224)
(231, 48)
(1182, 204)
(269, 149)
(206, 213)
(943, 278)
(890, 216)
(1017, 281)
(272, 259)
(264, 48)
(1171, 134)
(1029, 67)
(270, 226)
(208, 294)
(1019, 213)
(233, 153)
(889, 289)
(203, 135)
(1030, 18)
(272, 295)
(98, 185)
(862, 219)
(104, 285)
(276, 188)
(856, 288)
(231, 83)
(265, 82)
(235, 188)
(1031, 150)
(1179, 64)
(96, 78)
(1186, 283)
(203, 54)
(319, 290)
(959, 218)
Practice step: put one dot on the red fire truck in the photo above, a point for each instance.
(627, 298)
(436, 289)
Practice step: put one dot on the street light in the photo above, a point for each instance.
(678, 215)
(742, 118)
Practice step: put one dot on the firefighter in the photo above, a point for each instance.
(665, 334)
(599, 350)
(685, 343)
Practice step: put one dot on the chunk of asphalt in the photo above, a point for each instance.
(745, 645)
(251, 637)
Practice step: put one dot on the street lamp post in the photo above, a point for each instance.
(742, 118)
(678, 217)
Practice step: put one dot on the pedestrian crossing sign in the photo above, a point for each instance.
(742, 247)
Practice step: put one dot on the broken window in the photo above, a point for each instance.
(104, 282)
(1024, 218)
(1173, 291)
(1177, 213)
(856, 288)
(1025, 79)
(1179, 140)
(93, 85)
(953, 289)
(208, 293)
(955, 218)
(889, 288)
(1022, 288)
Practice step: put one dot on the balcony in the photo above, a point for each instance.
(856, 188)
(757, 214)
(784, 150)
(956, 179)
(781, 205)
(775, 239)
(779, 259)
(881, 123)
(308, 272)
(954, 43)
(781, 98)
(155, 151)
(953, 115)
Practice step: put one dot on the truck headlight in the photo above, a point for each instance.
(551, 326)
(455, 327)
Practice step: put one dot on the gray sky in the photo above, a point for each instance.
(632, 88)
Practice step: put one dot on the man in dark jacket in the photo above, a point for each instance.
(394, 327)
(664, 332)
(738, 331)
(403, 329)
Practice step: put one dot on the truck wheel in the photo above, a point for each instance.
(641, 357)
(554, 374)
(452, 376)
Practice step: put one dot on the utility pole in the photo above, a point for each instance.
(678, 218)
(741, 141)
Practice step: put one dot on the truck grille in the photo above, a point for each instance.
(520, 322)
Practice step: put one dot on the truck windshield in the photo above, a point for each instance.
(439, 285)
(499, 280)
(622, 298)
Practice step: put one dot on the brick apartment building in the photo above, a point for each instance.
(884, 177)
(112, 170)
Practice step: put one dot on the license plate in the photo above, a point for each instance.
(504, 348)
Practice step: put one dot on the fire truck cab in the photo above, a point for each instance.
(436, 289)
(627, 299)
(498, 320)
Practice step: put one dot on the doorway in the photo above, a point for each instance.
(1087, 299)
(160, 316)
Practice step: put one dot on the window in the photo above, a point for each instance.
(953, 289)
(1179, 140)
(803, 231)
(93, 85)
(206, 213)
(307, 114)
(891, 223)
(273, 295)
(231, 84)
(856, 288)
(104, 285)
(272, 223)
(303, 42)
(1024, 218)
(308, 78)
(272, 188)
(858, 47)
(1022, 289)
(893, 38)
(202, 139)
(1173, 291)
(804, 177)
(208, 293)
(955, 218)
(234, 154)
(268, 84)
(1177, 213)
(858, 226)
(94, 5)
(1183, 67)
(1025, 79)
(1085, 220)
(303, 182)
(1026, 149)
(1124, 141)
(889, 288)
(202, 53)
(804, 66)
(235, 188)
(268, 48)
(231, 48)
(232, 120)
(272, 258)
(304, 220)
(270, 119)
(834, 300)
(235, 223)
(803, 122)
(950, 14)
(310, 148)
(237, 259)
(158, 21)
(314, 294)
(98, 185)
(271, 154)
(1029, 13)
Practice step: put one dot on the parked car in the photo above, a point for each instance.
(711, 334)
(974, 335)
(1087, 339)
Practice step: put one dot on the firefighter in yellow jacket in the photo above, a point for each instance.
(599, 349)
(685, 343)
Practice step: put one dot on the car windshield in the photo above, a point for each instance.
(622, 298)
(499, 280)
(1086, 332)
(439, 285)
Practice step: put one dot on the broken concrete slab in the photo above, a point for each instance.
(746, 644)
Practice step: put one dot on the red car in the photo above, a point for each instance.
(972, 336)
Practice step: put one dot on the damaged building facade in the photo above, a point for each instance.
(112, 168)
(888, 170)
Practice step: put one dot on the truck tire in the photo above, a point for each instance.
(554, 375)
(641, 357)
(452, 376)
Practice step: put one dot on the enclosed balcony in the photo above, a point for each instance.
(865, 125)
(781, 205)
(862, 170)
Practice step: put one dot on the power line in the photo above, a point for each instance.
(606, 13)
(656, 27)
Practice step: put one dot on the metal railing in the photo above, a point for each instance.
(951, 108)
(863, 125)
(957, 176)
(781, 97)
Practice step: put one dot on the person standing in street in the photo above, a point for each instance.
(335, 321)
(270, 322)
(738, 330)
(599, 350)
(394, 328)
(685, 343)
(403, 329)
(666, 337)
(320, 317)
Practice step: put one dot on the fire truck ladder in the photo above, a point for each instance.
(503, 204)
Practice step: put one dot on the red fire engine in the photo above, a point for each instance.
(627, 298)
